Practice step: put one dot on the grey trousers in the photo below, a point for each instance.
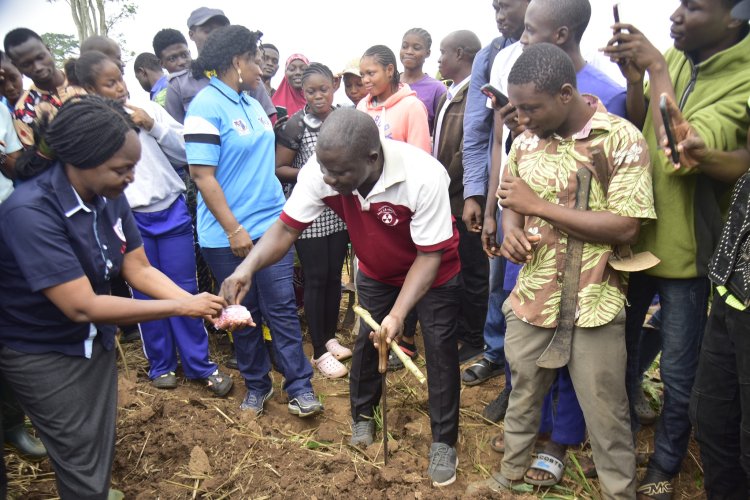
(72, 402)
(597, 369)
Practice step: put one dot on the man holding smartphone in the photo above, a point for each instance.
(707, 74)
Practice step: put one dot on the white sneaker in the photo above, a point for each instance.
(329, 366)
(339, 352)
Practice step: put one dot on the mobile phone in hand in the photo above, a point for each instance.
(668, 130)
(616, 13)
(281, 112)
(501, 99)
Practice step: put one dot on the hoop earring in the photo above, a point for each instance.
(239, 75)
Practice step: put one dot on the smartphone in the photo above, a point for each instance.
(616, 13)
(668, 130)
(281, 112)
(501, 99)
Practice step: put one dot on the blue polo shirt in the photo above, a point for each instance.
(230, 131)
(49, 236)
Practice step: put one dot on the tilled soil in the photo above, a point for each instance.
(184, 444)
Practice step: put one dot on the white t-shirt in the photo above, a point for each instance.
(12, 144)
(504, 61)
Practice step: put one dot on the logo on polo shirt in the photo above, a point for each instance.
(118, 229)
(387, 216)
(241, 127)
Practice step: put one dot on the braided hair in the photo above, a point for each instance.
(86, 131)
(315, 68)
(384, 56)
(421, 33)
(221, 47)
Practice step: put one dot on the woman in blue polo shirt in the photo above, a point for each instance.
(64, 235)
(230, 142)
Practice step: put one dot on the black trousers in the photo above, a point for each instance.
(11, 415)
(322, 261)
(475, 272)
(720, 403)
(437, 312)
(72, 402)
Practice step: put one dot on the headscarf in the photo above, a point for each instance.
(286, 95)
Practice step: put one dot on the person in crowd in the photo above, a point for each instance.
(172, 52)
(415, 264)
(707, 73)
(105, 45)
(353, 86)
(322, 246)
(457, 51)
(719, 401)
(171, 47)
(49, 89)
(182, 87)
(561, 23)
(151, 77)
(567, 135)
(11, 82)
(415, 49)
(399, 115)
(290, 94)
(270, 66)
(63, 236)
(156, 197)
(13, 432)
(478, 132)
(232, 163)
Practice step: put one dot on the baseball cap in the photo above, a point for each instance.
(202, 15)
(741, 10)
(352, 68)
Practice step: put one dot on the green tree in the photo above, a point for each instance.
(62, 46)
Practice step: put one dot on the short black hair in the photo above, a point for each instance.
(147, 60)
(165, 38)
(545, 65)
(19, 36)
(221, 46)
(265, 46)
(575, 14)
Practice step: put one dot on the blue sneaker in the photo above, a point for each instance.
(305, 405)
(254, 401)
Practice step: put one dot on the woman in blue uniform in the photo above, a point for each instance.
(64, 234)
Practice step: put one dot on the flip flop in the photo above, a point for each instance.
(481, 371)
(546, 463)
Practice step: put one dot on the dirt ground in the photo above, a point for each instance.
(185, 444)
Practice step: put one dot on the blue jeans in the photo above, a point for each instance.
(272, 295)
(684, 307)
(494, 325)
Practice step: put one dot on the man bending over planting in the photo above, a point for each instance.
(394, 200)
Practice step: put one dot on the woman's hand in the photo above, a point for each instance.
(140, 117)
(241, 243)
(204, 305)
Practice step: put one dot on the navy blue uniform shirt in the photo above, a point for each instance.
(49, 236)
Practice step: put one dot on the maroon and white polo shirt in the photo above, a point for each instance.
(407, 210)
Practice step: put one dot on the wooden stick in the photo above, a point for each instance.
(406, 360)
(122, 356)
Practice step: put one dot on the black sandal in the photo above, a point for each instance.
(656, 486)
(480, 372)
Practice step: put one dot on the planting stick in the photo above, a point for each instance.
(406, 360)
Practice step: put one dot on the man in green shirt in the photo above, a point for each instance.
(707, 74)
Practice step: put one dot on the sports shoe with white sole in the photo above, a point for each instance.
(305, 405)
(255, 402)
(443, 463)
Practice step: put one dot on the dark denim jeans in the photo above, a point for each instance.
(684, 306)
(720, 404)
(272, 295)
(494, 324)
